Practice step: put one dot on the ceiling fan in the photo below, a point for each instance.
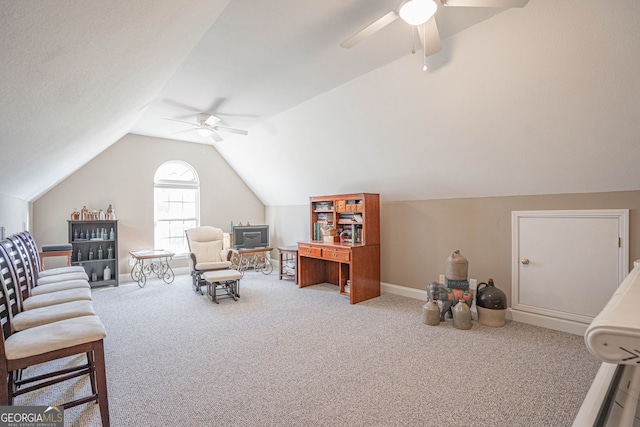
(420, 14)
(207, 126)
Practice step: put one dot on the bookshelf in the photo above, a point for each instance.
(95, 247)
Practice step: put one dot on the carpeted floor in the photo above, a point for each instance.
(283, 356)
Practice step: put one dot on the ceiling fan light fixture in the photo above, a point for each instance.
(204, 131)
(417, 12)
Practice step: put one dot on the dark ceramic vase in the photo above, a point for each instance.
(491, 297)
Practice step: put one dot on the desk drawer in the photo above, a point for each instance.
(310, 251)
(336, 254)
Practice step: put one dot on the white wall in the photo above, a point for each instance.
(537, 100)
(14, 214)
(288, 224)
(123, 176)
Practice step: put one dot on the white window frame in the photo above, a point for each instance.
(175, 184)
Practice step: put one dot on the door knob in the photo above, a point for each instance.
(525, 261)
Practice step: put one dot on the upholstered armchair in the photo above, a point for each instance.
(206, 253)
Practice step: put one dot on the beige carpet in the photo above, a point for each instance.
(283, 356)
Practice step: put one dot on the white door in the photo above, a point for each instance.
(567, 264)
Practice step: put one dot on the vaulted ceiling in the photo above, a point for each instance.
(537, 100)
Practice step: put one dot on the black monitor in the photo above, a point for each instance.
(250, 236)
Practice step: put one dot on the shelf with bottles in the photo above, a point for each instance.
(95, 247)
(82, 253)
(100, 272)
(95, 233)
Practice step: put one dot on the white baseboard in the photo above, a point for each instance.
(389, 288)
(562, 325)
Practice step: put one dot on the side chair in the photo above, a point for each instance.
(47, 343)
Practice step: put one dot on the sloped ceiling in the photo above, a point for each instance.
(537, 100)
(76, 75)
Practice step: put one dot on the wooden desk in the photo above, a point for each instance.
(335, 263)
(158, 264)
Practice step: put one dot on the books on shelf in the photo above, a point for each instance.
(323, 206)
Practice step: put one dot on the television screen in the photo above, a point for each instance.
(250, 236)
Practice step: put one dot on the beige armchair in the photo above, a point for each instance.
(206, 253)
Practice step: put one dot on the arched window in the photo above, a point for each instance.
(177, 205)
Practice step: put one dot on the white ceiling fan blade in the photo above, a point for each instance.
(505, 4)
(215, 136)
(182, 131)
(370, 29)
(180, 121)
(212, 120)
(430, 37)
(208, 119)
(232, 130)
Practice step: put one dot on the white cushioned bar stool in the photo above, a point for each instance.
(227, 280)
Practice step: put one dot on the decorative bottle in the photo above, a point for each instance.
(75, 234)
(110, 252)
(111, 215)
(100, 252)
(431, 313)
(94, 276)
(107, 273)
(461, 315)
(79, 256)
(112, 235)
(90, 254)
(492, 304)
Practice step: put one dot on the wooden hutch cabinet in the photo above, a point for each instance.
(351, 259)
